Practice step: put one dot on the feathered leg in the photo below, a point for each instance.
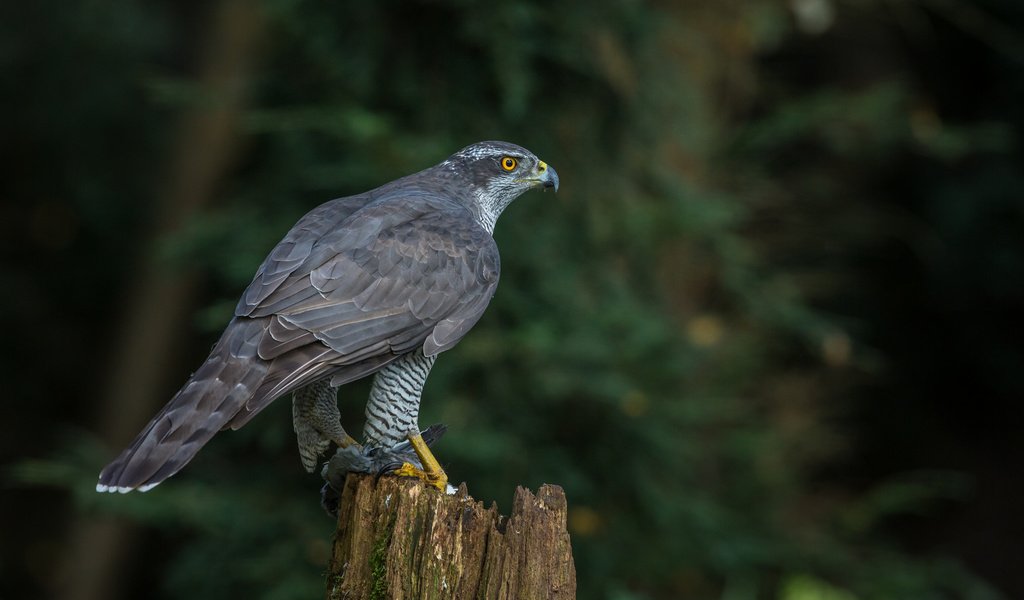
(317, 422)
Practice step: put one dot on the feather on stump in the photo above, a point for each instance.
(398, 539)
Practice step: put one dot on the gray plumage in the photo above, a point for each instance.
(399, 273)
(317, 421)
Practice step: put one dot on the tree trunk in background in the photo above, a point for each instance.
(397, 538)
(159, 300)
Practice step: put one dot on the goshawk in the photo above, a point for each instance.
(381, 282)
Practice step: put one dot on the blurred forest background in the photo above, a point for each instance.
(762, 335)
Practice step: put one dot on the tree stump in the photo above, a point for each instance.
(398, 538)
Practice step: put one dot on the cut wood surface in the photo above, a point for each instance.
(398, 538)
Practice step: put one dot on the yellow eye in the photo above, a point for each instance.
(508, 163)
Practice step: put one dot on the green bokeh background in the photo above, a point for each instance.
(762, 336)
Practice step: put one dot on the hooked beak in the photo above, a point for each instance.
(547, 177)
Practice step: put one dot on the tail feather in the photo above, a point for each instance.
(215, 393)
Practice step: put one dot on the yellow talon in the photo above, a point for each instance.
(408, 470)
(431, 473)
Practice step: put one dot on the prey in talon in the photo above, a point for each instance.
(379, 284)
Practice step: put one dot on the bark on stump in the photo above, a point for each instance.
(397, 538)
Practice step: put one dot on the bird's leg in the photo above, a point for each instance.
(393, 411)
(317, 422)
(432, 473)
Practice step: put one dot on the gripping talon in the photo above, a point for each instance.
(431, 473)
(410, 470)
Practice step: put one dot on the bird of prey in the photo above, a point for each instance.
(381, 282)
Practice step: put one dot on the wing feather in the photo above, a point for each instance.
(396, 274)
(295, 249)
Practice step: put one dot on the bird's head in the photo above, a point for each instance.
(499, 172)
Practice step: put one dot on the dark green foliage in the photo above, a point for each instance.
(695, 337)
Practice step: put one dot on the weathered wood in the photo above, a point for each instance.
(398, 538)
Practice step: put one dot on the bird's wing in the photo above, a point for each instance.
(399, 273)
(292, 251)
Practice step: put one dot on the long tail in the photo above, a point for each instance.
(214, 394)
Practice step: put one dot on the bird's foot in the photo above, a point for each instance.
(356, 458)
(431, 473)
(440, 481)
